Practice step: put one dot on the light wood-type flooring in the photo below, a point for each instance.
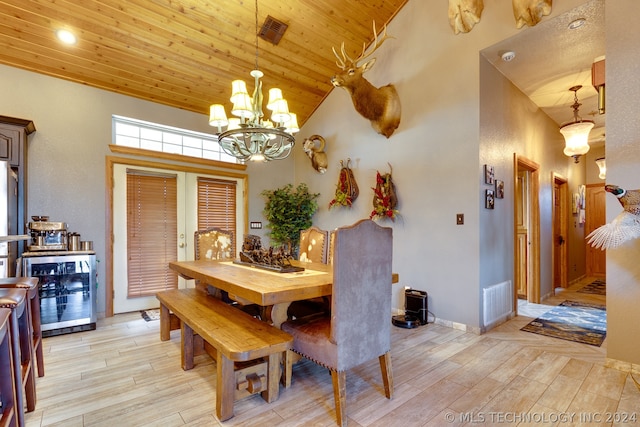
(122, 375)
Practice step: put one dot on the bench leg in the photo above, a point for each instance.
(186, 352)
(273, 378)
(225, 387)
(288, 368)
(165, 323)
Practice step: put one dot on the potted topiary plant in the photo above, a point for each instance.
(289, 211)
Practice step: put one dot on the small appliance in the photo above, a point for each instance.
(415, 309)
(46, 235)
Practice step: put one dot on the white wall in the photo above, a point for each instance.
(435, 155)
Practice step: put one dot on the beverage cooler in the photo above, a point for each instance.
(67, 290)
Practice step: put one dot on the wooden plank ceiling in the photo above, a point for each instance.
(185, 53)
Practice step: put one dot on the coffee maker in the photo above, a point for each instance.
(46, 235)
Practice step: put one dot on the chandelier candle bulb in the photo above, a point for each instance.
(249, 136)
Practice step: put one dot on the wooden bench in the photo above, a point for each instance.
(235, 336)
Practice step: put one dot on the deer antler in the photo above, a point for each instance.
(344, 61)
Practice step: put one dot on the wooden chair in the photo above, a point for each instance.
(313, 245)
(22, 344)
(33, 293)
(313, 249)
(359, 326)
(214, 244)
(217, 244)
(8, 414)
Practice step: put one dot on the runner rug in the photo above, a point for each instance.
(597, 287)
(572, 321)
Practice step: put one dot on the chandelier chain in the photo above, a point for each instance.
(257, 32)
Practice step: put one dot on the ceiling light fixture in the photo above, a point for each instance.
(602, 167)
(66, 37)
(576, 133)
(248, 136)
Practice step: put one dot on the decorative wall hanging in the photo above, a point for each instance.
(625, 226)
(384, 197)
(499, 189)
(464, 14)
(530, 12)
(347, 188)
(314, 147)
(489, 199)
(489, 174)
(380, 105)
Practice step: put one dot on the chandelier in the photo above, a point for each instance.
(576, 133)
(248, 136)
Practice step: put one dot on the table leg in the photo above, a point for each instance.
(277, 314)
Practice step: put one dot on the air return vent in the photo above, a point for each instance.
(272, 30)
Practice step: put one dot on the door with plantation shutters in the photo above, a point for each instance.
(156, 213)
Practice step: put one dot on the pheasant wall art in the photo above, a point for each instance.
(625, 226)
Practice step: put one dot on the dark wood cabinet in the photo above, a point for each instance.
(14, 135)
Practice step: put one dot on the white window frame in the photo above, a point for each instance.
(134, 133)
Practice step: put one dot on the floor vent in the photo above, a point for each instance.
(497, 302)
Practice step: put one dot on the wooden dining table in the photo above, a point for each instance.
(274, 291)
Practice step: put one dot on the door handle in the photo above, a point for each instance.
(182, 245)
(560, 240)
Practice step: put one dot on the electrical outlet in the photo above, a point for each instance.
(460, 219)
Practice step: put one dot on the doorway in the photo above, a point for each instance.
(526, 229)
(560, 218)
(187, 199)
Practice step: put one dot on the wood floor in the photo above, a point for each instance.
(122, 375)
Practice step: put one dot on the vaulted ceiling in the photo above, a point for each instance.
(185, 53)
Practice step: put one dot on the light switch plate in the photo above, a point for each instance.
(460, 219)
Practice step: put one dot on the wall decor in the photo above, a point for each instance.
(489, 199)
(380, 105)
(347, 188)
(575, 206)
(314, 148)
(625, 226)
(384, 197)
(488, 174)
(499, 189)
(464, 14)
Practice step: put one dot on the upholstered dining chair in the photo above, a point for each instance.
(313, 245)
(217, 244)
(213, 244)
(359, 326)
(313, 249)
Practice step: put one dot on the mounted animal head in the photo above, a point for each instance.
(380, 105)
(316, 152)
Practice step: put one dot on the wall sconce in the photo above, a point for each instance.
(602, 166)
(576, 133)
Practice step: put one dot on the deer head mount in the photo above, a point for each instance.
(380, 105)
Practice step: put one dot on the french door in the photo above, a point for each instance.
(135, 261)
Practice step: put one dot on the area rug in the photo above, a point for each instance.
(597, 287)
(150, 315)
(572, 321)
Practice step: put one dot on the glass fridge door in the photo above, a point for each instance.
(67, 291)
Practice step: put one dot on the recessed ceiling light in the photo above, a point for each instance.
(577, 23)
(66, 37)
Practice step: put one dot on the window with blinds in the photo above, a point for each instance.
(151, 232)
(217, 206)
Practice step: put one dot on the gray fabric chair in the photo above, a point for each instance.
(359, 326)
